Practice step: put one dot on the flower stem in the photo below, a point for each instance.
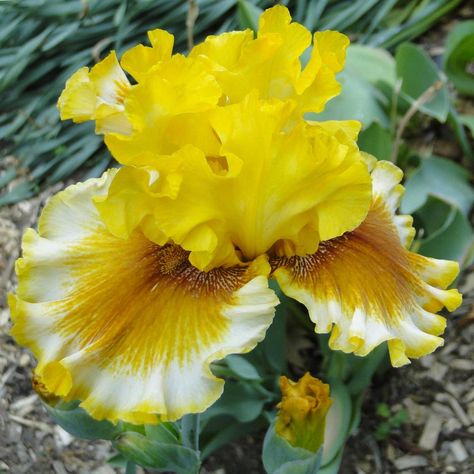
(190, 431)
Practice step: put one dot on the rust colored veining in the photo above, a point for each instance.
(122, 89)
(42, 391)
(138, 304)
(366, 268)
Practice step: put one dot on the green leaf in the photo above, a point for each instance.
(227, 433)
(157, 455)
(377, 141)
(333, 466)
(375, 65)
(359, 100)
(313, 13)
(18, 193)
(279, 457)
(348, 15)
(118, 460)
(7, 176)
(274, 344)
(383, 431)
(440, 178)
(399, 418)
(248, 14)
(427, 13)
(383, 410)
(242, 367)
(418, 74)
(457, 123)
(164, 432)
(363, 369)
(81, 425)
(337, 421)
(453, 241)
(468, 121)
(432, 217)
(459, 56)
(302, 466)
(242, 401)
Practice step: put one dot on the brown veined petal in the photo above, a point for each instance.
(367, 288)
(126, 326)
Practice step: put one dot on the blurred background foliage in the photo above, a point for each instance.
(390, 84)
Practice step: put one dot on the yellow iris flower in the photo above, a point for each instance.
(135, 282)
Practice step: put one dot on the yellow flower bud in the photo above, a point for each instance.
(302, 411)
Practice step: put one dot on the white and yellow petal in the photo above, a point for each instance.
(126, 326)
(367, 288)
(97, 95)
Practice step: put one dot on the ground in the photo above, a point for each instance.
(437, 393)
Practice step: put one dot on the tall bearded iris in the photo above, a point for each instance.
(137, 281)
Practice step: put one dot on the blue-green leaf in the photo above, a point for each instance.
(375, 65)
(157, 455)
(337, 422)
(248, 14)
(359, 100)
(279, 457)
(459, 55)
(242, 367)
(377, 141)
(440, 178)
(242, 401)
(453, 240)
(418, 73)
(81, 425)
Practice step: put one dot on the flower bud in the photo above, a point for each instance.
(302, 412)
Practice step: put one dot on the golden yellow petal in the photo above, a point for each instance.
(271, 63)
(275, 190)
(168, 109)
(140, 60)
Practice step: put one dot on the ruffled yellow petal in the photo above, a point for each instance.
(168, 109)
(98, 95)
(175, 97)
(223, 51)
(126, 326)
(367, 288)
(139, 60)
(78, 100)
(276, 191)
(271, 63)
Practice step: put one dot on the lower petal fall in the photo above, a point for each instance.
(125, 325)
(367, 288)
